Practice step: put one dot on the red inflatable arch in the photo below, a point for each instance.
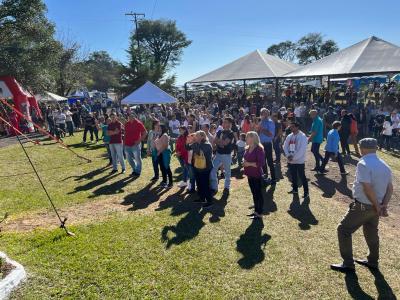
(23, 101)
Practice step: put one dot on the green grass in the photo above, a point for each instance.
(171, 249)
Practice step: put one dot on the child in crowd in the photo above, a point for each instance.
(241, 147)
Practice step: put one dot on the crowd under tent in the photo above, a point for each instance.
(256, 65)
(148, 94)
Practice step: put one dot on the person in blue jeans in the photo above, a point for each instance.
(332, 149)
(223, 142)
(316, 138)
(267, 135)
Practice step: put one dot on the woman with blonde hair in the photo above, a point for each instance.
(254, 160)
(202, 166)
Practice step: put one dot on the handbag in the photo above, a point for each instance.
(200, 162)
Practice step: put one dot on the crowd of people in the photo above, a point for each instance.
(211, 136)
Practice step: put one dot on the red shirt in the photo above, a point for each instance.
(115, 138)
(134, 131)
(181, 149)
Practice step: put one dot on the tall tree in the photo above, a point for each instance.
(309, 48)
(70, 70)
(104, 72)
(27, 44)
(161, 47)
(312, 47)
(285, 50)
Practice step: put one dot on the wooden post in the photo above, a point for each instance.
(244, 87)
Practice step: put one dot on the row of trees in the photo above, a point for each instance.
(307, 49)
(30, 52)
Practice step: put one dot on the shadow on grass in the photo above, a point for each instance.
(88, 175)
(117, 187)
(94, 183)
(146, 196)
(382, 286)
(302, 213)
(189, 226)
(329, 186)
(251, 245)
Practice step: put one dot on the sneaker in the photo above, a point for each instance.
(113, 171)
(208, 204)
(134, 174)
(315, 169)
(189, 185)
(293, 192)
(123, 171)
(182, 184)
(163, 184)
(169, 185)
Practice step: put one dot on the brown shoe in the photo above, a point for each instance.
(366, 263)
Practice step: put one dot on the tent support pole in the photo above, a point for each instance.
(244, 87)
(185, 86)
(329, 83)
(276, 90)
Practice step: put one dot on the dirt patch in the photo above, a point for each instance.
(5, 269)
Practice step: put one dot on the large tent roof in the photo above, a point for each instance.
(370, 56)
(148, 94)
(255, 65)
(50, 97)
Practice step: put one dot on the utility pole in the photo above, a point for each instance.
(136, 17)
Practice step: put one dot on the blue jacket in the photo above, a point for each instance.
(270, 125)
(332, 143)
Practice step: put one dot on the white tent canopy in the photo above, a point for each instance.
(50, 97)
(369, 56)
(255, 65)
(148, 94)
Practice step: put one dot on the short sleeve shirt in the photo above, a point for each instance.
(373, 170)
(134, 131)
(226, 134)
(115, 138)
(317, 127)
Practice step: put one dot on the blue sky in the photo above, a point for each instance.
(223, 30)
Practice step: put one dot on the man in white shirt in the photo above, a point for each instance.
(174, 126)
(295, 148)
(372, 190)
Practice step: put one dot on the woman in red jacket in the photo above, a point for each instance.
(182, 154)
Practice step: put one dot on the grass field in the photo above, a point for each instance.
(135, 241)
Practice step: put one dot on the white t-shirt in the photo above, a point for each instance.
(387, 128)
(174, 125)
